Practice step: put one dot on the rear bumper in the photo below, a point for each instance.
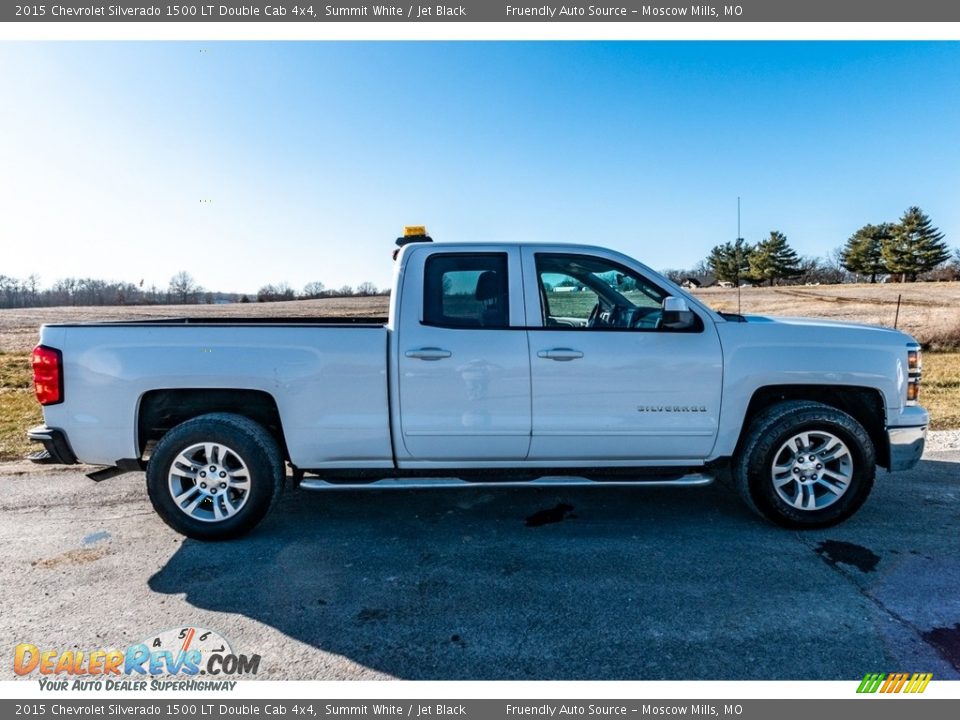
(55, 443)
(906, 446)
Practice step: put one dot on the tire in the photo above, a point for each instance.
(226, 470)
(804, 464)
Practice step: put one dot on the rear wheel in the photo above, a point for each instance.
(215, 477)
(805, 464)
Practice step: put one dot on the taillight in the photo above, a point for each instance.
(47, 375)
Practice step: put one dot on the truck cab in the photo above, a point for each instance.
(554, 355)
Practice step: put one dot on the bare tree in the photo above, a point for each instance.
(366, 289)
(313, 290)
(32, 286)
(184, 288)
(273, 293)
(267, 293)
(11, 291)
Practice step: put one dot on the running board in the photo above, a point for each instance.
(691, 480)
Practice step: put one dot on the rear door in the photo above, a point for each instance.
(608, 383)
(463, 360)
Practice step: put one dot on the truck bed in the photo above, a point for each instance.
(338, 321)
(326, 376)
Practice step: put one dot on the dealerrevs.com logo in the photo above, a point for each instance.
(894, 682)
(184, 653)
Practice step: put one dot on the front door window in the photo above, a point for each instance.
(583, 292)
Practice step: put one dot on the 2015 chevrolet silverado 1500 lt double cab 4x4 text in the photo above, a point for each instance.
(499, 363)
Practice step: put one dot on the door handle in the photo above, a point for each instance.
(560, 354)
(428, 353)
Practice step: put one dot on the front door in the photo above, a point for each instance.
(608, 381)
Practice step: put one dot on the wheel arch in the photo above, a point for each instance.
(161, 410)
(864, 404)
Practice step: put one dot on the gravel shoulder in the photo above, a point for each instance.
(940, 440)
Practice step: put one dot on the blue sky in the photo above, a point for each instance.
(312, 156)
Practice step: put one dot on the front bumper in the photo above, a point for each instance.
(56, 445)
(906, 446)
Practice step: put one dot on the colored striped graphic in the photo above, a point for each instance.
(894, 682)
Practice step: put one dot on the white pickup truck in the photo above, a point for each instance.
(499, 364)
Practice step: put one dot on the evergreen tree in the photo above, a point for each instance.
(773, 259)
(863, 253)
(916, 246)
(730, 261)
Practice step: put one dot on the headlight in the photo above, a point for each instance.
(914, 373)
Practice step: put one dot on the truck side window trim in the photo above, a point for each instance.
(467, 291)
(539, 259)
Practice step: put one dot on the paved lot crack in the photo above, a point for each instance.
(835, 564)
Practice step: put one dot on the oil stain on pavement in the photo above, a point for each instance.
(947, 641)
(551, 515)
(835, 552)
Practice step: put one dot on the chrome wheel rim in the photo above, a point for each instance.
(812, 470)
(209, 482)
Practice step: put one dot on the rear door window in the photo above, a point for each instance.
(466, 291)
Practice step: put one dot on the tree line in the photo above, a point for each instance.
(316, 289)
(182, 289)
(20, 293)
(904, 251)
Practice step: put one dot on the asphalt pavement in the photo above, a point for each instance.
(579, 583)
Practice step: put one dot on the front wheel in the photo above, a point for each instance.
(804, 464)
(215, 476)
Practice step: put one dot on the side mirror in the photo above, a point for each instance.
(676, 315)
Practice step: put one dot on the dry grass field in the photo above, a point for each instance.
(19, 328)
(930, 312)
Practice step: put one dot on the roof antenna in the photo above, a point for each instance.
(739, 259)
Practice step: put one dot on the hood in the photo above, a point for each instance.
(815, 322)
(822, 327)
